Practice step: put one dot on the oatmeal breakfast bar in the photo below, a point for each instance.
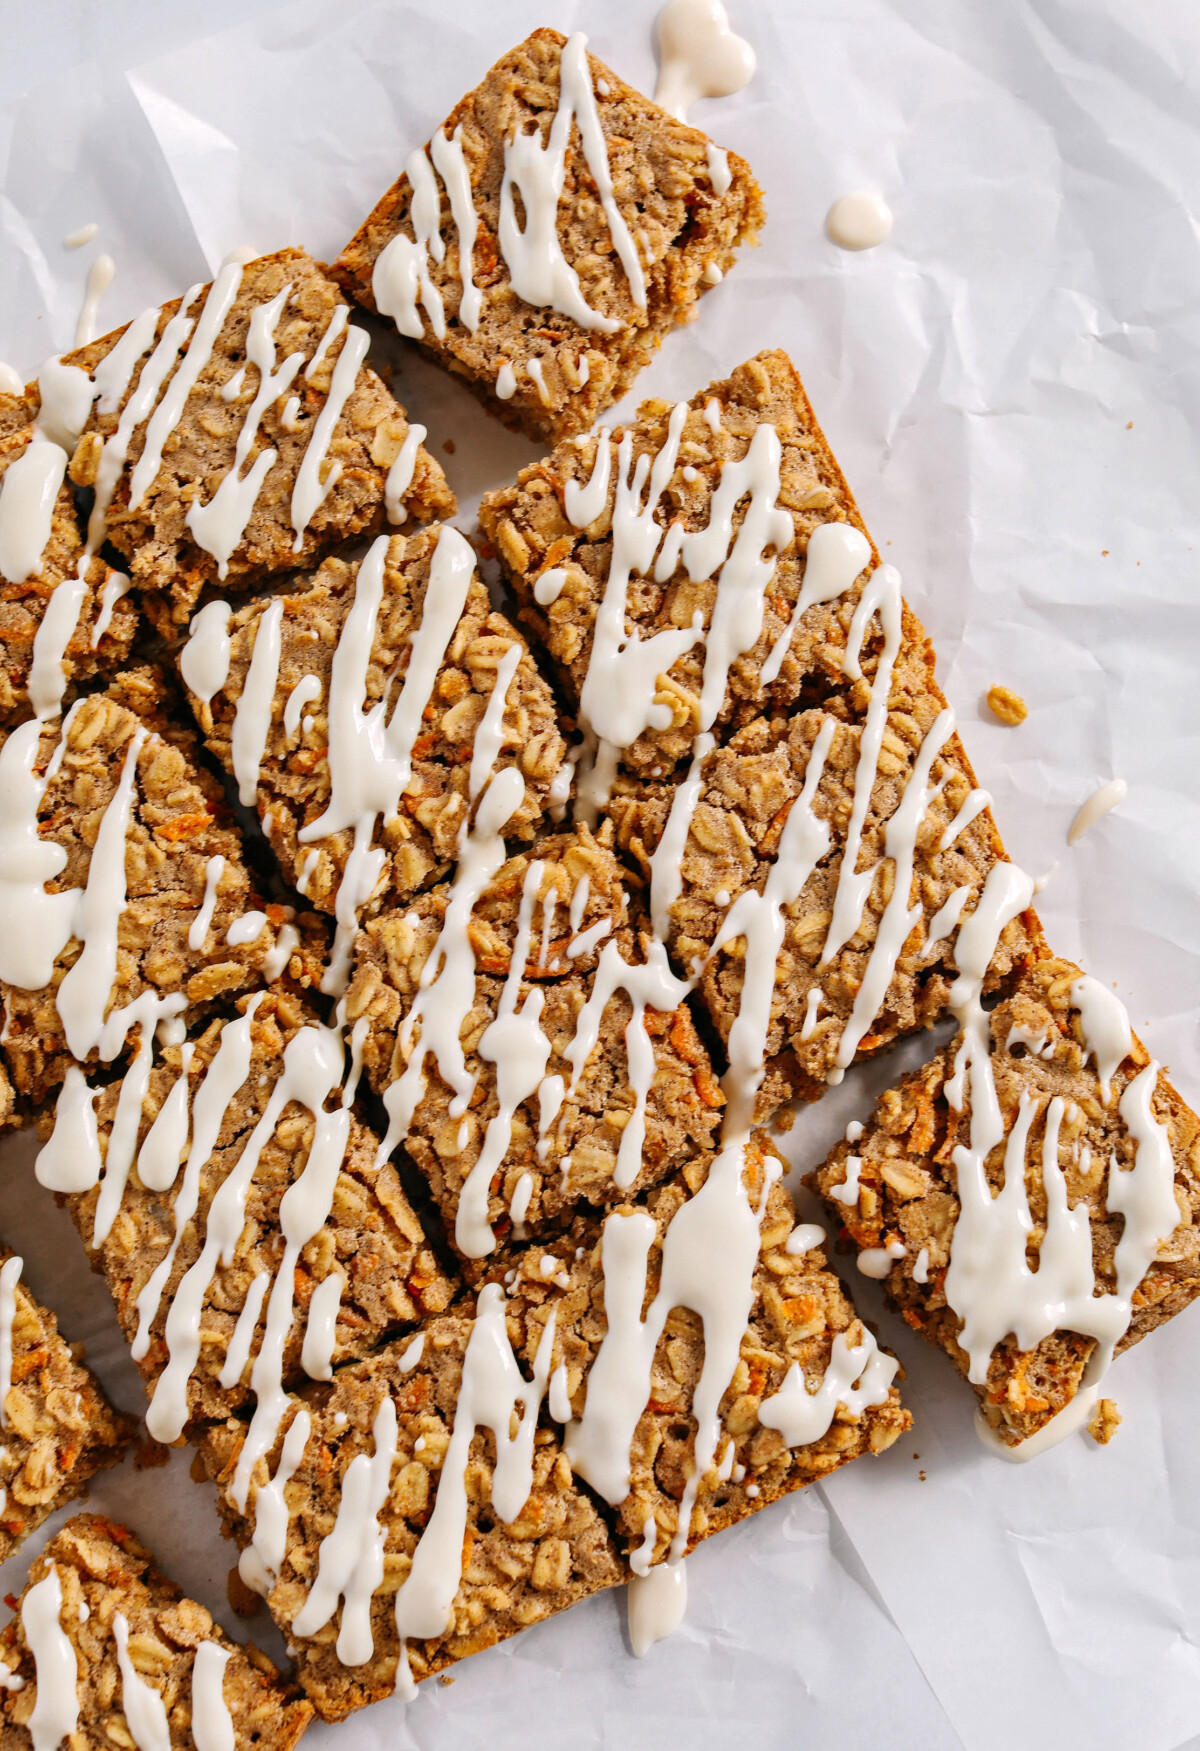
(411, 1433)
(237, 433)
(549, 308)
(588, 1077)
(104, 1651)
(766, 732)
(316, 706)
(64, 616)
(57, 1428)
(806, 1389)
(1046, 1137)
(131, 902)
(246, 1229)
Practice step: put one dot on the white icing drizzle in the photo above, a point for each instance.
(492, 1386)
(989, 1284)
(447, 985)
(657, 1602)
(847, 1192)
(56, 1671)
(882, 595)
(548, 586)
(1097, 805)
(166, 415)
(261, 1561)
(77, 239)
(803, 1238)
(252, 716)
(585, 503)
(219, 525)
(65, 395)
(400, 278)
(100, 278)
(350, 1559)
(10, 1680)
(204, 663)
(945, 920)
(28, 493)
(812, 1004)
(116, 585)
(238, 1353)
(857, 1376)
(320, 1329)
(276, 959)
(721, 177)
(10, 1274)
(699, 56)
(921, 1266)
(47, 675)
(400, 474)
(11, 382)
(537, 377)
(307, 689)
(898, 919)
(515, 1043)
(201, 924)
(973, 805)
(760, 918)
(1107, 1034)
(310, 490)
(246, 929)
(858, 221)
(877, 1261)
(142, 1706)
(212, 1723)
(538, 271)
(451, 165)
(712, 275)
(506, 381)
(365, 780)
(490, 737)
(666, 864)
(837, 553)
(231, 390)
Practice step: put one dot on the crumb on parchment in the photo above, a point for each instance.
(1104, 1422)
(1008, 706)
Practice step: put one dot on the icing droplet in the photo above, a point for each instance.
(859, 221)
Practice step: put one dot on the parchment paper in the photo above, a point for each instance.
(1011, 387)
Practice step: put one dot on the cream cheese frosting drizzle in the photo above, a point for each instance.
(142, 1706)
(56, 1671)
(699, 56)
(492, 1385)
(10, 1276)
(989, 1283)
(212, 1722)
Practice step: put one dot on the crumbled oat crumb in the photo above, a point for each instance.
(1104, 1422)
(1008, 706)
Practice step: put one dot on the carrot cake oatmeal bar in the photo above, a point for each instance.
(64, 615)
(129, 903)
(562, 1066)
(646, 1368)
(416, 1499)
(236, 433)
(555, 228)
(57, 1428)
(1031, 1195)
(249, 1228)
(364, 714)
(104, 1651)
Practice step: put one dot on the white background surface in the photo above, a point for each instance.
(1011, 385)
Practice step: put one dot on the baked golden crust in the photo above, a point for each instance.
(686, 234)
(907, 1189)
(103, 1570)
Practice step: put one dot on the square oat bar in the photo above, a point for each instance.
(349, 713)
(584, 1075)
(1030, 1196)
(143, 1656)
(556, 227)
(486, 1528)
(241, 1135)
(237, 432)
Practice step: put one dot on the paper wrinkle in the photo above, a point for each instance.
(976, 377)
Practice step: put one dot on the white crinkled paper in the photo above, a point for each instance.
(1011, 386)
